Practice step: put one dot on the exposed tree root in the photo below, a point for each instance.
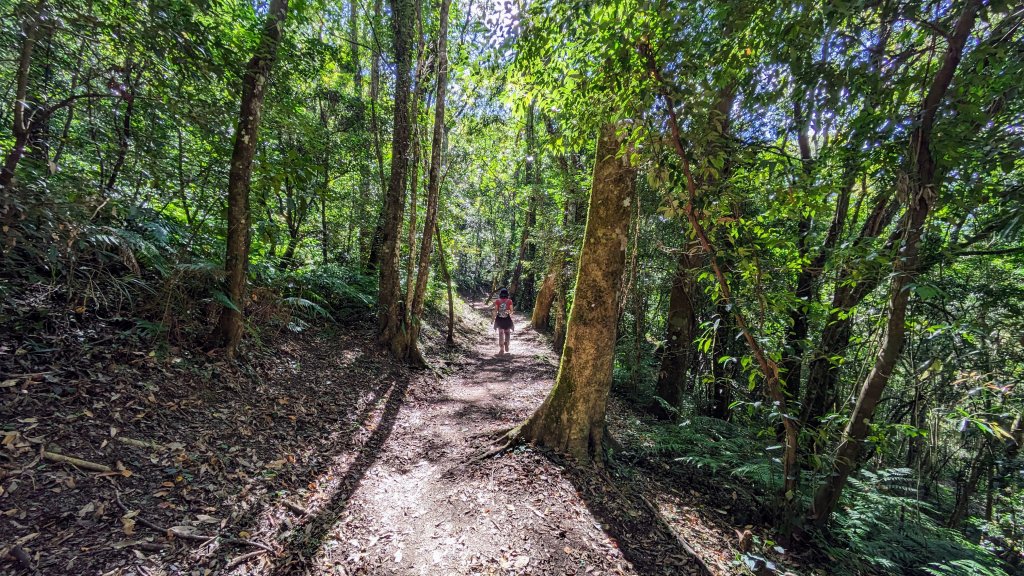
(504, 441)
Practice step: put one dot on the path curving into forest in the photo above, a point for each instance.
(414, 505)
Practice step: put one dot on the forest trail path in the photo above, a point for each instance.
(418, 509)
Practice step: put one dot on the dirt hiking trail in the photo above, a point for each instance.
(322, 456)
(419, 508)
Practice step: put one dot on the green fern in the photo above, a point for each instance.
(882, 528)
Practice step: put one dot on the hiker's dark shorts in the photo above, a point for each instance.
(503, 323)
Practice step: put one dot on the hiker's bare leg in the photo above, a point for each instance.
(503, 340)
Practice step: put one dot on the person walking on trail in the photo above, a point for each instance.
(503, 323)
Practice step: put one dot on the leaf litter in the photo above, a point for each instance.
(317, 454)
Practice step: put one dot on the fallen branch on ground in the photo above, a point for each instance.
(140, 443)
(78, 462)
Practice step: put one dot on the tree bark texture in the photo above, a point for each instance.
(572, 418)
(389, 287)
(450, 336)
(533, 175)
(433, 190)
(920, 194)
(373, 257)
(541, 316)
(254, 85)
(681, 328)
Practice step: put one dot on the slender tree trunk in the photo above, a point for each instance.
(22, 126)
(572, 417)
(681, 329)
(823, 372)
(254, 85)
(796, 333)
(376, 240)
(412, 329)
(125, 133)
(325, 188)
(967, 489)
(450, 337)
(553, 283)
(360, 203)
(682, 314)
(531, 214)
(389, 289)
(920, 194)
(62, 142)
(421, 78)
(769, 369)
(546, 296)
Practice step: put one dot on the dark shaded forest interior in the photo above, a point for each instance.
(767, 262)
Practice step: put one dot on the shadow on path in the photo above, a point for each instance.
(642, 534)
(308, 538)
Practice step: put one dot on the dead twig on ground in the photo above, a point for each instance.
(298, 510)
(243, 559)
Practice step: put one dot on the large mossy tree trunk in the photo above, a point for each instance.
(254, 86)
(920, 194)
(572, 418)
(389, 286)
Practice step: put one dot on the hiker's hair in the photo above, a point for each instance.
(503, 293)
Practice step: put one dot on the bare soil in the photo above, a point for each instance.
(321, 456)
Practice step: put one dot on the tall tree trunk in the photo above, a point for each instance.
(681, 329)
(572, 417)
(389, 297)
(769, 369)
(920, 194)
(125, 132)
(553, 283)
(412, 329)
(681, 326)
(532, 175)
(360, 203)
(254, 85)
(21, 128)
(420, 78)
(376, 240)
(966, 489)
(545, 297)
(796, 333)
(450, 337)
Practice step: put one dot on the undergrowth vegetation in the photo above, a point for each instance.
(146, 271)
(882, 526)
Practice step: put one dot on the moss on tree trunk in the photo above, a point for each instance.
(572, 418)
